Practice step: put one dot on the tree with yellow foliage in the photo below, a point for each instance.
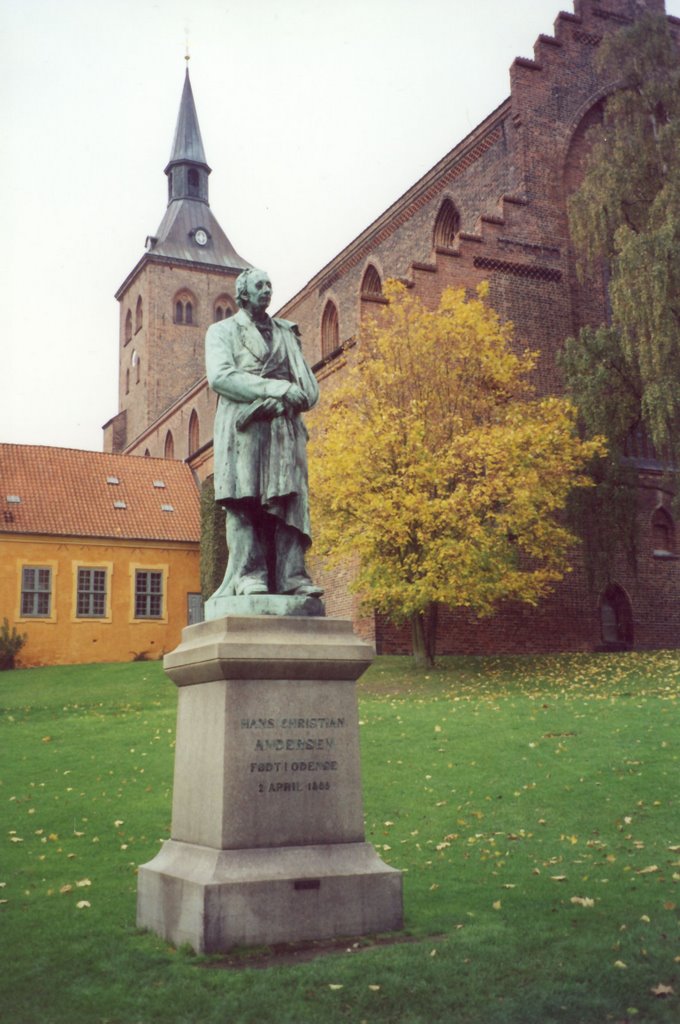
(435, 468)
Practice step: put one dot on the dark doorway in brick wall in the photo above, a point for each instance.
(616, 619)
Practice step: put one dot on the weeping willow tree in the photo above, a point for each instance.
(625, 374)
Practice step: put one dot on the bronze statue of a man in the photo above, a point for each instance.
(255, 364)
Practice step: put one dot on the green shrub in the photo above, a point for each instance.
(10, 645)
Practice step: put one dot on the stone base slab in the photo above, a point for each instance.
(216, 899)
(220, 605)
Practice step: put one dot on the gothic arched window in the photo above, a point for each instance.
(663, 532)
(371, 284)
(446, 226)
(194, 182)
(330, 335)
(185, 307)
(223, 308)
(193, 432)
(169, 450)
(616, 618)
(128, 326)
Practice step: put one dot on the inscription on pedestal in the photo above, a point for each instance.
(302, 762)
(289, 753)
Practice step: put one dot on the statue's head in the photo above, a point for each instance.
(253, 290)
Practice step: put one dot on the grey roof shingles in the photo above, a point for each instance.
(174, 238)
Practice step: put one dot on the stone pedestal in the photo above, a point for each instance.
(267, 820)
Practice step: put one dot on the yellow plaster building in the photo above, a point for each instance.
(99, 553)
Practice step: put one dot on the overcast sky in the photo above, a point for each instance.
(315, 117)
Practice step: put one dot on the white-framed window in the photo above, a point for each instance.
(36, 591)
(148, 594)
(91, 593)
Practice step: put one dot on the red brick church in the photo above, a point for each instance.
(493, 208)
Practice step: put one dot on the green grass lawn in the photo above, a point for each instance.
(531, 802)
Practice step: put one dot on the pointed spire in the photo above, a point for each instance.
(187, 168)
(189, 231)
(187, 146)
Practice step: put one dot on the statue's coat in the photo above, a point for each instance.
(266, 460)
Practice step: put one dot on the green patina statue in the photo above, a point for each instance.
(255, 364)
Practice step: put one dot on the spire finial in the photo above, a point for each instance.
(187, 55)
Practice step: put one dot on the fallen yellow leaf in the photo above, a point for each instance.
(661, 991)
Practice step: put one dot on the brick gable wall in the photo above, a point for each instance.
(509, 182)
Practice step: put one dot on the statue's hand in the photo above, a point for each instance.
(295, 398)
(273, 407)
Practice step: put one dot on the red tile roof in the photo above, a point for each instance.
(68, 492)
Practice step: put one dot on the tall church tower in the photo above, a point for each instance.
(182, 283)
